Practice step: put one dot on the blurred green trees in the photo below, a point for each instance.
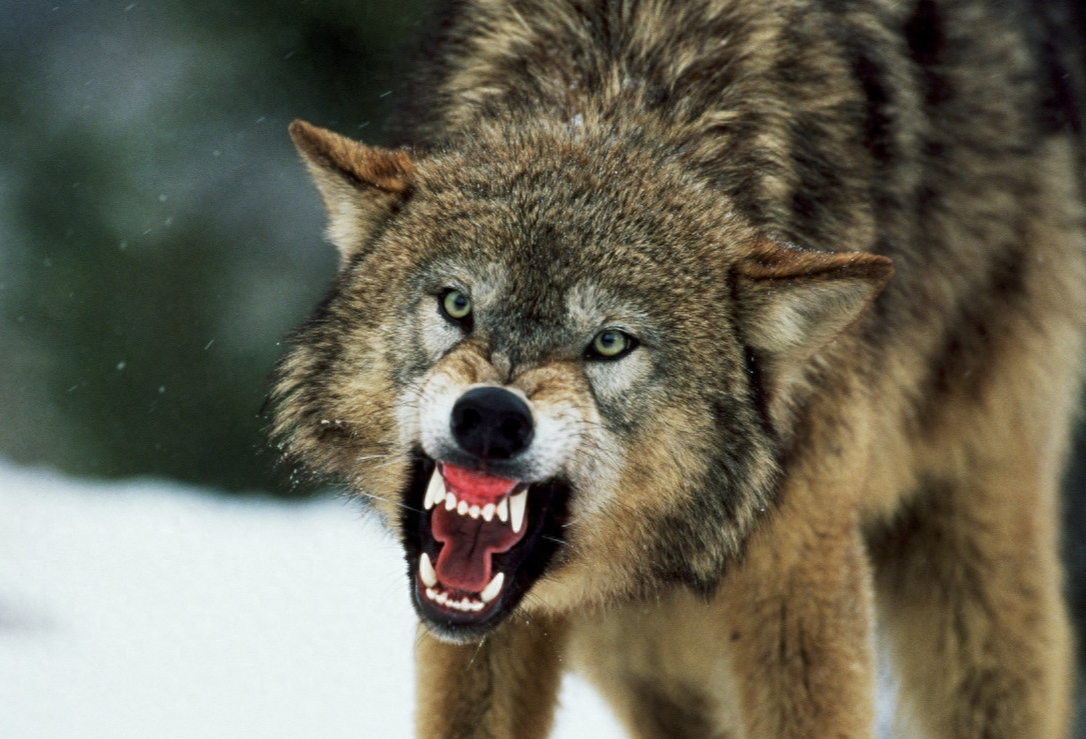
(158, 235)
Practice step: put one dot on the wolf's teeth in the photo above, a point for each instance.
(490, 592)
(474, 511)
(517, 503)
(426, 571)
(503, 510)
(435, 491)
(488, 511)
(450, 501)
(462, 508)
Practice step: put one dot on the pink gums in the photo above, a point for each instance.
(477, 488)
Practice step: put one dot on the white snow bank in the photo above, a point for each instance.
(145, 609)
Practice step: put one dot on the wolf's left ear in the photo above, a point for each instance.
(793, 302)
(361, 185)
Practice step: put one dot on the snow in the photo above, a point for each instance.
(148, 609)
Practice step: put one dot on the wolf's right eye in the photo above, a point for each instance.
(610, 344)
(456, 306)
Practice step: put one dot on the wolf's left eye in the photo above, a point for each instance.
(610, 344)
(456, 306)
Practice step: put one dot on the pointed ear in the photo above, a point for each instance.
(361, 185)
(793, 302)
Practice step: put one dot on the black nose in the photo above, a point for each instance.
(492, 423)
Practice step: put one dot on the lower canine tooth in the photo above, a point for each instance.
(426, 571)
(517, 505)
(490, 592)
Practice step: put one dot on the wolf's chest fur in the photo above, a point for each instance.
(680, 337)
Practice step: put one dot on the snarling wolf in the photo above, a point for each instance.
(676, 340)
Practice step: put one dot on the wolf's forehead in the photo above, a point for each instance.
(588, 304)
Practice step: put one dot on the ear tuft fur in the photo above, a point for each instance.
(361, 185)
(793, 302)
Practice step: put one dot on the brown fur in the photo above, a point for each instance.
(805, 435)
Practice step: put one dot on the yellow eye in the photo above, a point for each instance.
(456, 305)
(610, 344)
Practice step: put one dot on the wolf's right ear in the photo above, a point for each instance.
(361, 185)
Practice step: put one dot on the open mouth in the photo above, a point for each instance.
(476, 542)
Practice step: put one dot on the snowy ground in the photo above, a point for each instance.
(146, 609)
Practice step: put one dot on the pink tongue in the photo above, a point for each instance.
(464, 562)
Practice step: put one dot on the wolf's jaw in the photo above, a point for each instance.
(472, 562)
(467, 603)
(462, 578)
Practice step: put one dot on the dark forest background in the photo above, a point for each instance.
(158, 235)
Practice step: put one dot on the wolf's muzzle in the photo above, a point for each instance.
(492, 423)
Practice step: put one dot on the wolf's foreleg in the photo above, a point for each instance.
(505, 687)
(799, 629)
(969, 586)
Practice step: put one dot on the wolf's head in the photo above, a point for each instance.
(560, 369)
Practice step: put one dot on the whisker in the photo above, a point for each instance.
(401, 504)
(478, 648)
(367, 457)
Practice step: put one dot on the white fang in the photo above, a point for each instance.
(517, 504)
(435, 491)
(426, 571)
(490, 592)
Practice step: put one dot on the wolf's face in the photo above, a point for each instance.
(549, 390)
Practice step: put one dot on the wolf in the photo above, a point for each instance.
(686, 342)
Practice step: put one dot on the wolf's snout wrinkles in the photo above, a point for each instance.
(492, 423)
